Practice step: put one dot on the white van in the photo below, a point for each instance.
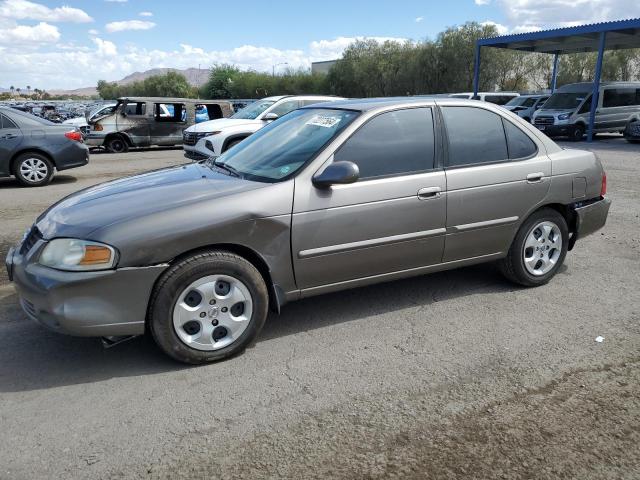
(566, 113)
(497, 98)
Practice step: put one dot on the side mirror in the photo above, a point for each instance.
(337, 173)
(270, 117)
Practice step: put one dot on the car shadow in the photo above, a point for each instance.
(32, 358)
(10, 182)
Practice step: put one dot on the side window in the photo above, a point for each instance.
(529, 102)
(169, 112)
(619, 97)
(135, 108)
(213, 111)
(393, 143)
(498, 99)
(285, 107)
(518, 142)
(6, 122)
(475, 136)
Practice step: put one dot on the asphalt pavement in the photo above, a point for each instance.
(457, 374)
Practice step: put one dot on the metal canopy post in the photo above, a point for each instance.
(554, 75)
(596, 86)
(476, 72)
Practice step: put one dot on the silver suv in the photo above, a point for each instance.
(567, 111)
(326, 198)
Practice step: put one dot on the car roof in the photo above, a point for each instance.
(366, 104)
(172, 100)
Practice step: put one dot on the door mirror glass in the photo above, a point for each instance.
(270, 117)
(338, 173)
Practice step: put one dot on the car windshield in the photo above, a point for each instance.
(515, 101)
(280, 149)
(254, 109)
(570, 101)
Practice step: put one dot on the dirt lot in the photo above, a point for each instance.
(453, 375)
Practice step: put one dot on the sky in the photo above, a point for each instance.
(66, 44)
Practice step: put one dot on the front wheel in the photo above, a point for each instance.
(117, 144)
(208, 307)
(577, 133)
(538, 250)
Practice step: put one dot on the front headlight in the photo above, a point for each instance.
(77, 255)
(564, 116)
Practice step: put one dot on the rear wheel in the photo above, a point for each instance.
(33, 170)
(117, 144)
(538, 250)
(208, 307)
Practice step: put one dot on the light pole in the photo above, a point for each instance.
(273, 68)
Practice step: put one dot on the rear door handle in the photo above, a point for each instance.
(535, 177)
(428, 193)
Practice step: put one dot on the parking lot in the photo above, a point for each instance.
(455, 374)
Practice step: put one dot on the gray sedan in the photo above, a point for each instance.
(326, 198)
(32, 148)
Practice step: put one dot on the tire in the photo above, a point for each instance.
(577, 133)
(33, 170)
(200, 326)
(540, 250)
(233, 143)
(527, 119)
(117, 144)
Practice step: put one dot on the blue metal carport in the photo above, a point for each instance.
(597, 37)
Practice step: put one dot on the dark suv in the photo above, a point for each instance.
(32, 147)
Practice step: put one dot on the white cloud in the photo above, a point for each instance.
(536, 14)
(25, 35)
(482, 2)
(129, 25)
(146, 14)
(105, 48)
(419, 19)
(116, 1)
(25, 10)
(332, 49)
(93, 31)
(501, 29)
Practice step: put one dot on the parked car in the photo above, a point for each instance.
(83, 122)
(210, 139)
(31, 148)
(146, 121)
(326, 198)
(526, 105)
(497, 98)
(567, 111)
(632, 131)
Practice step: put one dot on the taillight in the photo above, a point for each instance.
(74, 135)
(603, 188)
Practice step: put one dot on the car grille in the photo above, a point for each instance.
(30, 240)
(191, 138)
(543, 121)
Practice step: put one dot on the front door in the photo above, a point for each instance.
(169, 120)
(496, 173)
(392, 219)
(132, 119)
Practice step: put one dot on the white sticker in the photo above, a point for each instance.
(323, 121)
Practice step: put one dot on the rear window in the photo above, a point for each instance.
(621, 97)
(6, 122)
(519, 144)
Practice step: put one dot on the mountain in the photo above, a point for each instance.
(195, 77)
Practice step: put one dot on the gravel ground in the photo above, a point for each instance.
(453, 375)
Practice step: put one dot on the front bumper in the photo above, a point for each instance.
(555, 130)
(592, 216)
(89, 304)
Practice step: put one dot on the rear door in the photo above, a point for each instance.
(617, 106)
(496, 173)
(10, 138)
(169, 120)
(392, 219)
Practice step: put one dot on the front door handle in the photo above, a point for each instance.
(428, 193)
(535, 177)
(8, 136)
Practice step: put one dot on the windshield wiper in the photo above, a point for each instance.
(228, 168)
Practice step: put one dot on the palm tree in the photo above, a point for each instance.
(18, 90)
(12, 88)
(28, 89)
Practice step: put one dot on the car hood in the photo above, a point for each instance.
(219, 124)
(127, 199)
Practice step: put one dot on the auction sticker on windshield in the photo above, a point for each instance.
(323, 121)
